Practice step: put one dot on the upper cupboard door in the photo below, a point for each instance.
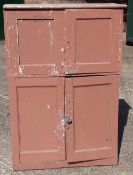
(34, 42)
(94, 40)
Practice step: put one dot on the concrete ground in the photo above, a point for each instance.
(125, 166)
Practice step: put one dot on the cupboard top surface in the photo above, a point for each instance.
(64, 6)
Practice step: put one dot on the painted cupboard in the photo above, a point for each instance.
(63, 66)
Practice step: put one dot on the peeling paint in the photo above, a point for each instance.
(21, 69)
(60, 130)
(54, 71)
(61, 126)
(62, 64)
(50, 32)
(48, 106)
(120, 40)
(50, 12)
(62, 49)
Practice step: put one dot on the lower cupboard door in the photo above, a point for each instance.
(92, 117)
(37, 115)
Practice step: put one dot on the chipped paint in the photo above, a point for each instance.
(48, 106)
(120, 40)
(61, 126)
(21, 68)
(58, 130)
(62, 49)
(50, 12)
(50, 32)
(62, 64)
(8, 54)
(54, 71)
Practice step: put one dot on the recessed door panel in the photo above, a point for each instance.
(89, 35)
(40, 106)
(93, 107)
(35, 40)
(94, 41)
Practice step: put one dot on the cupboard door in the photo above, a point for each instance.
(34, 42)
(92, 106)
(37, 118)
(94, 40)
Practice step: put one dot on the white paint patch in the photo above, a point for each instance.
(54, 71)
(62, 49)
(50, 32)
(48, 106)
(61, 126)
(120, 40)
(62, 64)
(60, 130)
(50, 13)
(21, 70)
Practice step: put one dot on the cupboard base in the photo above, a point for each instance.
(63, 164)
